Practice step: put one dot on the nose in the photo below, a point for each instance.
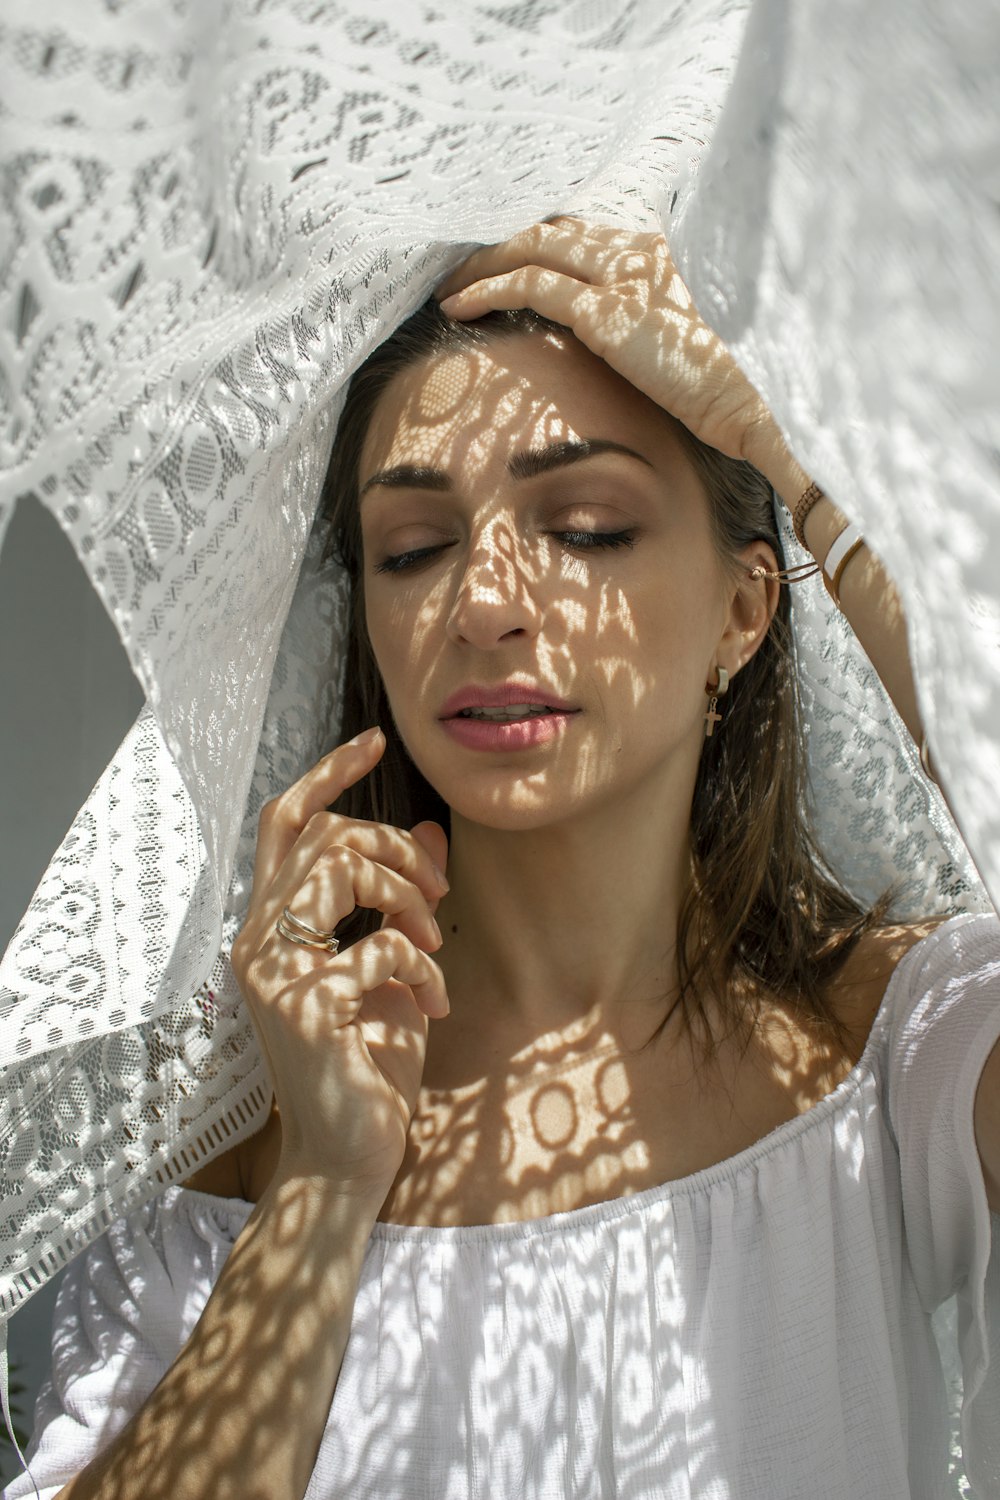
(495, 598)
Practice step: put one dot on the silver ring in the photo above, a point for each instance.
(294, 930)
(291, 920)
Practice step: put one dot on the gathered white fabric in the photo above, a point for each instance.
(212, 211)
(762, 1328)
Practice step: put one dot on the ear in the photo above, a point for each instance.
(752, 606)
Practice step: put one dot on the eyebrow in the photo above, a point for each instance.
(525, 465)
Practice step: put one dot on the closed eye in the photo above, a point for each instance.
(589, 541)
(401, 561)
(579, 541)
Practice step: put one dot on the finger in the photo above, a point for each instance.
(433, 836)
(392, 847)
(394, 1026)
(388, 955)
(339, 880)
(564, 246)
(614, 237)
(283, 819)
(433, 839)
(596, 254)
(573, 303)
(345, 980)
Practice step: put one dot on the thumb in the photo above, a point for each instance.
(432, 837)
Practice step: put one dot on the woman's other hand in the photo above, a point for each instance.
(622, 296)
(345, 1034)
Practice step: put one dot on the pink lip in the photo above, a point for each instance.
(515, 734)
(501, 696)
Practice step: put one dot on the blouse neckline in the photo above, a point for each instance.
(728, 1170)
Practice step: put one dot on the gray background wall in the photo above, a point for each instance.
(67, 698)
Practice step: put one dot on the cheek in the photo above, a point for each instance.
(674, 631)
(401, 625)
(384, 642)
(680, 606)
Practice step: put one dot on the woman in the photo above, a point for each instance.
(750, 1101)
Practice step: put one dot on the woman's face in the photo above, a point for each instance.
(515, 553)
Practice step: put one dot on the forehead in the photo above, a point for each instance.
(470, 409)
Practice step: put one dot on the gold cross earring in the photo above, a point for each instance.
(713, 717)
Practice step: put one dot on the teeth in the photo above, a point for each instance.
(502, 715)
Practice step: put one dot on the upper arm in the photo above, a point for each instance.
(942, 1077)
(987, 1125)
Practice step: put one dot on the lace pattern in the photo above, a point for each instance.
(213, 211)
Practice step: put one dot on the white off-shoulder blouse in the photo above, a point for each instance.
(765, 1329)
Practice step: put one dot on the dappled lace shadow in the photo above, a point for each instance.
(490, 1354)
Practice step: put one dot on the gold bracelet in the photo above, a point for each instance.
(844, 546)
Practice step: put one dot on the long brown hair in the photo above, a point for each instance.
(764, 914)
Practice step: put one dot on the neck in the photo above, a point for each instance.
(571, 922)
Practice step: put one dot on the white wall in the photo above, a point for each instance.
(67, 698)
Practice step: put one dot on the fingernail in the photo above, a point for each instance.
(366, 737)
(448, 304)
(441, 880)
(437, 930)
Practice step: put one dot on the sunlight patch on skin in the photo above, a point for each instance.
(612, 670)
(612, 1086)
(554, 1117)
(449, 386)
(679, 292)
(614, 613)
(641, 1118)
(574, 612)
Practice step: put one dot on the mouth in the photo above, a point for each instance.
(509, 717)
(507, 703)
(509, 713)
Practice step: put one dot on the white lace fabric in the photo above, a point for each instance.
(212, 212)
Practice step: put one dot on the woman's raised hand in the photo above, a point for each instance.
(345, 1034)
(622, 296)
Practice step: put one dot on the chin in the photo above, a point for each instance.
(511, 815)
(512, 798)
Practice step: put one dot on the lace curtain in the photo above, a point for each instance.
(213, 211)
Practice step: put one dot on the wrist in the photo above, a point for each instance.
(769, 454)
(358, 1198)
(823, 525)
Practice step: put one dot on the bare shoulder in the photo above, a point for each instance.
(237, 1172)
(861, 984)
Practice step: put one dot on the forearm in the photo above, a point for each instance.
(241, 1412)
(868, 597)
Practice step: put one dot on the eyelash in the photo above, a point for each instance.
(581, 541)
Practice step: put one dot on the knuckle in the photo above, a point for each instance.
(240, 954)
(251, 969)
(272, 811)
(250, 977)
(390, 942)
(343, 856)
